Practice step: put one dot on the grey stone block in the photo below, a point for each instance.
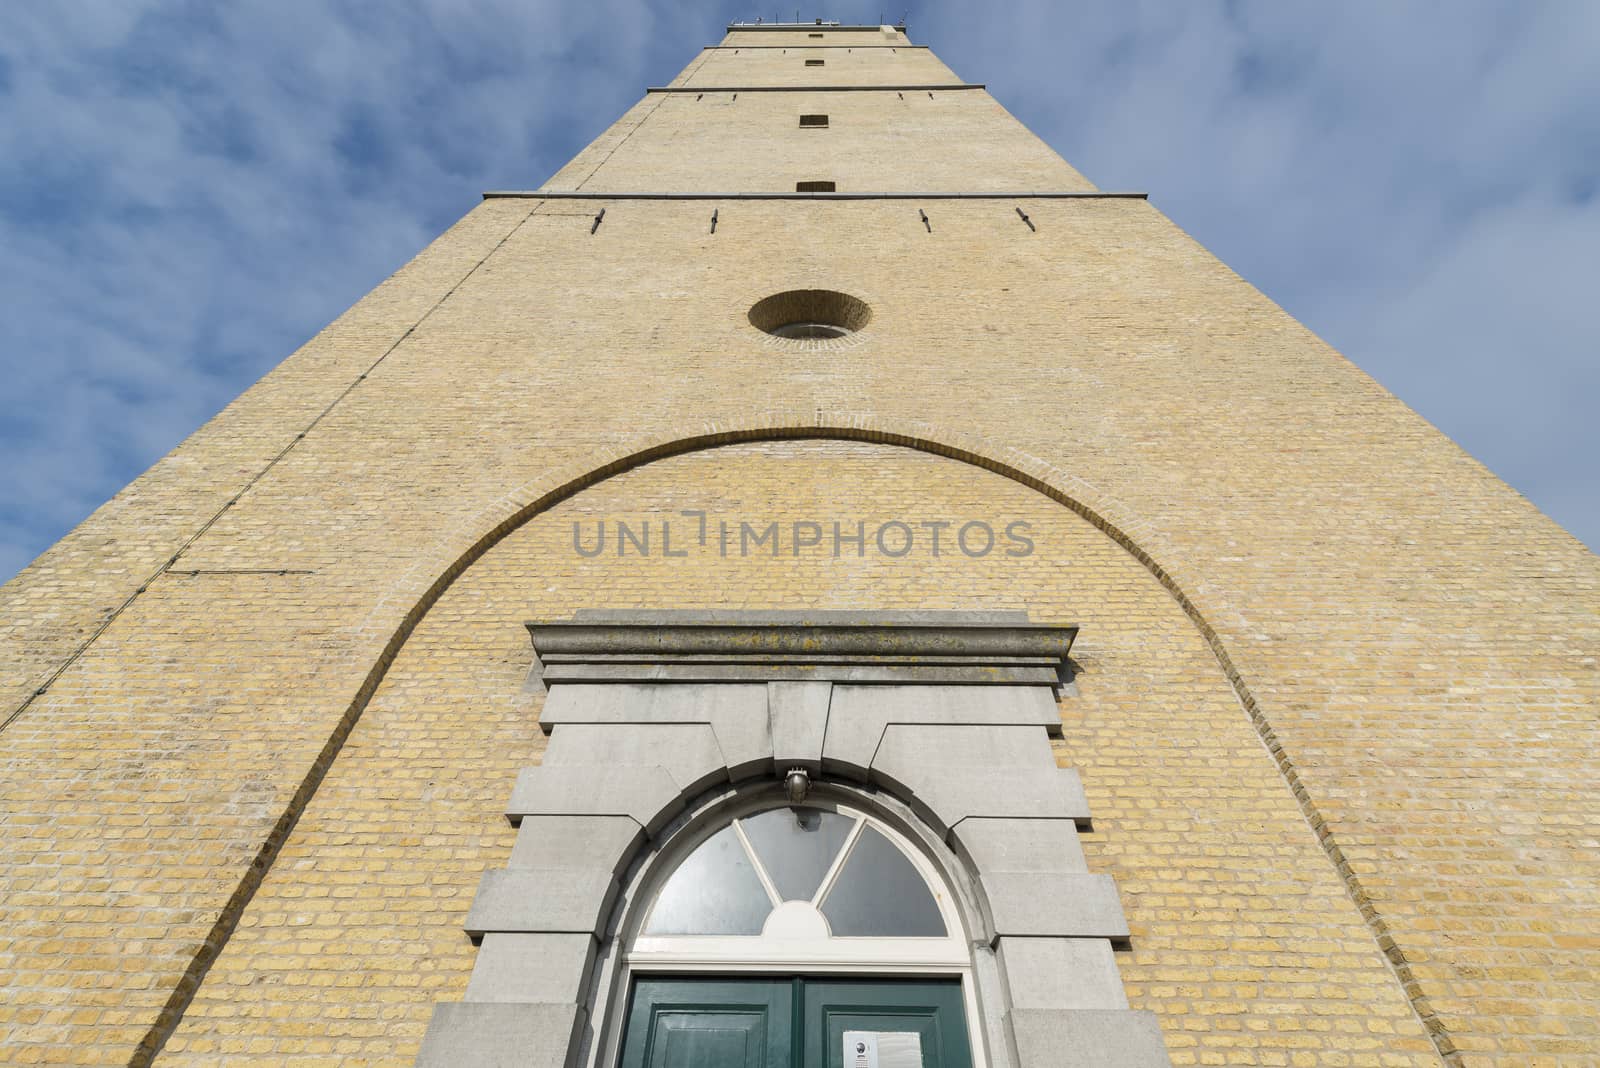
(576, 842)
(997, 793)
(746, 742)
(688, 751)
(950, 772)
(648, 795)
(737, 713)
(799, 715)
(993, 845)
(1053, 905)
(859, 715)
(909, 751)
(549, 900)
(1020, 706)
(850, 743)
(532, 967)
(647, 702)
(1060, 973)
(464, 1034)
(1087, 1038)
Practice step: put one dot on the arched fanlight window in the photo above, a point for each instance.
(800, 887)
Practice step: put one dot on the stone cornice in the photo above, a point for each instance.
(791, 27)
(996, 648)
(919, 87)
(576, 194)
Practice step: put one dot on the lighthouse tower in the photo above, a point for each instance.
(815, 582)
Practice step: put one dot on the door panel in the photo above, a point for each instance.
(790, 1023)
(682, 1039)
(931, 1009)
(696, 1023)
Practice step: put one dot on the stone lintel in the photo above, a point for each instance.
(959, 648)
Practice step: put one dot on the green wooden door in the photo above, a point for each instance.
(704, 1023)
(930, 1010)
(793, 1023)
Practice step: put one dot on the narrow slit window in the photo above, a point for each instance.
(818, 35)
(813, 187)
(813, 121)
(813, 62)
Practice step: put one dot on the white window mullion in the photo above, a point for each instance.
(838, 863)
(755, 863)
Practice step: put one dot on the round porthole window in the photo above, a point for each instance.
(810, 315)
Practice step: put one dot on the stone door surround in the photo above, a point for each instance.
(656, 717)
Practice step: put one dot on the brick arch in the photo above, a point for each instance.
(409, 599)
(434, 572)
(438, 568)
(427, 581)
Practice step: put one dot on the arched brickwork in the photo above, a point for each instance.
(421, 587)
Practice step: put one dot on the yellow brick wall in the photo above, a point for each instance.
(940, 141)
(841, 65)
(1415, 642)
(1235, 912)
(66, 596)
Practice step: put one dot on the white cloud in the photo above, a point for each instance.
(188, 191)
(1417, 185)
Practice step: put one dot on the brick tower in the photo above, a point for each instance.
(901, 596)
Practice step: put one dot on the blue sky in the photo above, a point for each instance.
(188, 191)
